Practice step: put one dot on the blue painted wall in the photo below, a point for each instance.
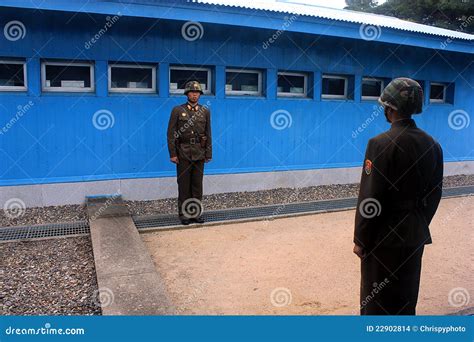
(55, 140)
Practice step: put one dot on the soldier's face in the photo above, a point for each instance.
(193, 96)
(388, 114)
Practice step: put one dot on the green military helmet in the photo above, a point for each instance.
(403, 95)
(192, 86)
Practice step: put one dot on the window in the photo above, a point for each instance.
(243, 82)
(292, 84)
(437, 93)
(180, 75)
(12, 75)
(371, 88)
(334, 87)
(67, 76)
(132, 78)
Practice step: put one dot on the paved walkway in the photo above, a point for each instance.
(127, 278)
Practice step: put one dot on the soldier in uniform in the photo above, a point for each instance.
(399, 193)
(190, 146)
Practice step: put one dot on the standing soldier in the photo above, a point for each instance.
(399, 193)
(190, 146)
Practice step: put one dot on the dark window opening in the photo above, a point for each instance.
(67, 76)
(437, 92)
(12, 75)
(132, 78)
(243, 82)
(334, 87)
(292, 85)
(180, 76)
(371, 87)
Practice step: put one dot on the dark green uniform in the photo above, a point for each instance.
(400, 191)
(189, 138)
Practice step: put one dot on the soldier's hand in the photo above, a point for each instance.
(174, 160)
(359, 251)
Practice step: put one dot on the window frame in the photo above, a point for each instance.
(337, 97)
(257, 93)
(305, 84)
(369, 98)
(132, 90)
(25, 80)
(445, 87)
(49, 89)
(207, 91)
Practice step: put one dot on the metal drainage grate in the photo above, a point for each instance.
(44, 231)
(171, 220)
(270, 211)
(458, 191)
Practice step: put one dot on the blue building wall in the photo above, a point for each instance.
(56, 141)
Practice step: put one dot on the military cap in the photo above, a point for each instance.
(192, 86)
(403, 95)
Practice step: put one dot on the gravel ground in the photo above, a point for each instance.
(40, 215)
(459, 180)
(48, 277)
(69, 213)
(248, 199)
(275, 196)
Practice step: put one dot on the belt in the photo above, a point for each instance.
(191, 141)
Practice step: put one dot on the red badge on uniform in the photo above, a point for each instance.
(368, 167)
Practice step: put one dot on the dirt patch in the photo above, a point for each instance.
(303, 265)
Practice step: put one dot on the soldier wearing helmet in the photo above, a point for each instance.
(399, 193)
(190, 146)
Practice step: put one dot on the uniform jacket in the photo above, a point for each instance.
(187, 123)
(400, 188)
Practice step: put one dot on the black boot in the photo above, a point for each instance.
(199, 219)
(185, 221)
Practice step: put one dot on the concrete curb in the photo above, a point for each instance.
(126, 275)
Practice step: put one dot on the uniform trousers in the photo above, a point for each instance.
(390, 281)
(190, 174)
